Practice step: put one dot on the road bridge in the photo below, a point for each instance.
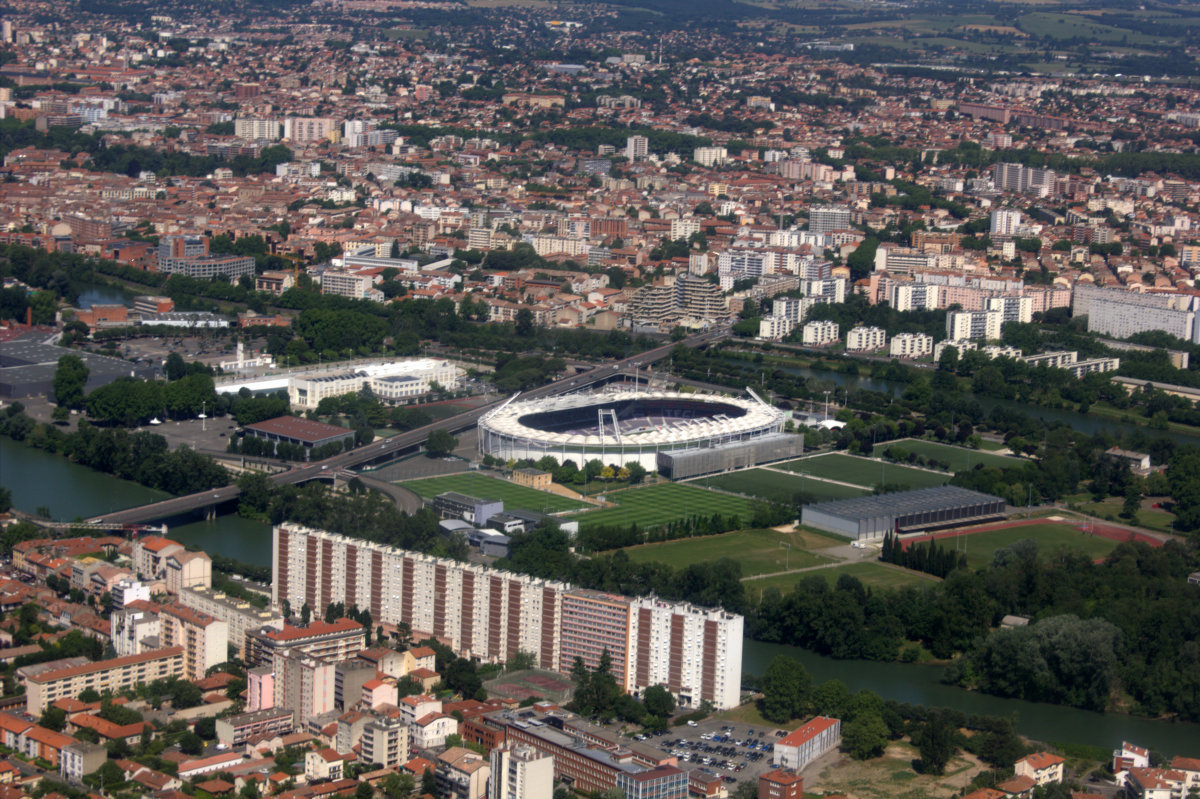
(381, 450)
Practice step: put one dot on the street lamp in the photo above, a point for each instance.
(203, 416)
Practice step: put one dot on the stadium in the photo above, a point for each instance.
(623, 426)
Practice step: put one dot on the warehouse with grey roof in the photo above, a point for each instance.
(926, 509)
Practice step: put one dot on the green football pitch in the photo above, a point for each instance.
(656, 505)
(864, 471)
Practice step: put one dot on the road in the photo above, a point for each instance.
(369, 452)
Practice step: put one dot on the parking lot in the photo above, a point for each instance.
(735, 752)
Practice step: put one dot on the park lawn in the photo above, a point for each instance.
(959, 458)
(1050, 538)
(870, 573)
(865, 472)
(777, 486)
(483, 486)
(1148, 516)
(759, 551)
(656, 505)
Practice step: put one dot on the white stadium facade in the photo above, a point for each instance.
(617, 427)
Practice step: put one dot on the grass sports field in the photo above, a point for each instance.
(775, 486)
(477, 484)
(659, 504)
(864, 472)
(959, 458)
(1050, 537)
(759, 551)
(872, 575)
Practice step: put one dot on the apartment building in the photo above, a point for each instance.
(385, 741)
(304, 130)
(150, 555)
(1120, 314)
(818, 333)
(462, 774)
(973, 324)
(134, 630)
(911, 345)
(1011, 308)
(237, 730)
(492, 615)
(303, 684)
(595, 623)
(826, 219)
(330, 641)
(240, 616)
(256, 129)
(710, 156)
(48, 683)
(355, 285)
(637, 148)
(520, 772)
(1004, 222)
(203, 638)
(188, 570)
(862, 339)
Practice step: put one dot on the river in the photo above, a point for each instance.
(920, 685)
(40, 479)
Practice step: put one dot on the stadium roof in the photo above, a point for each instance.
(901, 503)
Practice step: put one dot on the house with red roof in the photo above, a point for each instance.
(1043, 767)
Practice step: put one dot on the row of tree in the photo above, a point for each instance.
(928, 557)
(141, 457)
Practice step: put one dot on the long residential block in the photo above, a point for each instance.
(492, 615)
(45, 686)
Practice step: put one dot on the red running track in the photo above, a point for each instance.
(1094, 527)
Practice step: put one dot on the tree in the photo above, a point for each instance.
(440, 444)
(69, 380)
(658, 701)
(524, 322)
(191, 744)
(429, 784)
(786, 686)
(936, 741)
(364, 791)
(53, 719)
(865, 736)
(174, 367)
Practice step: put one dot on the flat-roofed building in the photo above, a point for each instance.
(239, 615)
(237, 730)
(332, 641)
(520, 772)
(204, 638)
(385, 741)
(49, 685)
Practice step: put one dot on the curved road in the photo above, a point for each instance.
(374, 450)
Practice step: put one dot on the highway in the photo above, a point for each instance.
(356, 457)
